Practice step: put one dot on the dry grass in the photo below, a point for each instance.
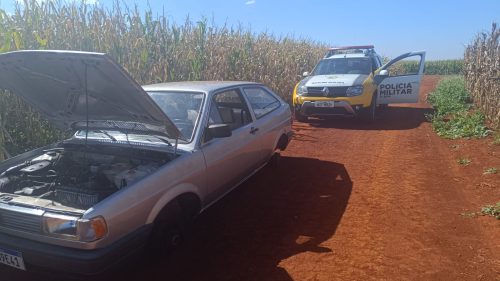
(482, 73)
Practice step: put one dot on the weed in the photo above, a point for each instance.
(489, 171)
(492, 210)
(452, 118)
(464, 161)
(469, 214)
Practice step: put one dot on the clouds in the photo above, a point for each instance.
(250, 2)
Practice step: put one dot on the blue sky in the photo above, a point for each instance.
(441, 27)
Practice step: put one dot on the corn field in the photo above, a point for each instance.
(437, 67)
(150, 47)
(482, 73)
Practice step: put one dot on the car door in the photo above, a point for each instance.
(398, 84)
(230, 160)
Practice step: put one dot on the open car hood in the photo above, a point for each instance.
(70, 88)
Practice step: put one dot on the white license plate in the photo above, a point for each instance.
(324, 104)
(12, 258)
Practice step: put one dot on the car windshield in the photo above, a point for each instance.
(183, 108)
(343, 66)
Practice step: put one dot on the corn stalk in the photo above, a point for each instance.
(482, 73)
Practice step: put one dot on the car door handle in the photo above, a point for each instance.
(253, 130)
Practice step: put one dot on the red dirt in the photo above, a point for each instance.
(352, 202)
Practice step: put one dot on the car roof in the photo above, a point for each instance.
(196, 86)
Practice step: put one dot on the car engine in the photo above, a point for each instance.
(78, 177)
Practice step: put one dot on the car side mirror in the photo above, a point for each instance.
(219, 131)
(381, 76)
(305, 74)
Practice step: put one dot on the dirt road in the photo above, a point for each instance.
(352, 202)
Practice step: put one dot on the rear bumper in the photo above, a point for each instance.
(39, 256)
(341, 108)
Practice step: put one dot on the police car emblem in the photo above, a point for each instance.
(325, 91)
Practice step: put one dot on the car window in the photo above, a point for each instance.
(361, 65)
(406, 66)
(183, 108)
(261, 101)
(228, 107)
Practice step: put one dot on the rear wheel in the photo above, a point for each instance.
(274, 162)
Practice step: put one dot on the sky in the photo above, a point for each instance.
(441, 27)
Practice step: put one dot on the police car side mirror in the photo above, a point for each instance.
(305, 74)
(381, 76)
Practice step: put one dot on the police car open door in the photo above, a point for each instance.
(398, 83)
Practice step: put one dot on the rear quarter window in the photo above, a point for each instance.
(261, 101)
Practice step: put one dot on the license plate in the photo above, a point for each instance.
(324, 104)
(12, 258)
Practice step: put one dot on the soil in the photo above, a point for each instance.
(351, 201)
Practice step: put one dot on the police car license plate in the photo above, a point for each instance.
(12, 258)
(324, 104)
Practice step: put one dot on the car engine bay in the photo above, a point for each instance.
(78, 176)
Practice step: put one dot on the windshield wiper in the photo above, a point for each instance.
(106, 134)
(163, 140)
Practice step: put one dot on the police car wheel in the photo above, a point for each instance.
(299, 117)
(370, 113)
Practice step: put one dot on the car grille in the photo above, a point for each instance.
(332, 91)
(20, 221)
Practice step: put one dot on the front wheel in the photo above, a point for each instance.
(299, 117)
(369, 114)
(168, 230)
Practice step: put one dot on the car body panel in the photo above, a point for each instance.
(208, 170)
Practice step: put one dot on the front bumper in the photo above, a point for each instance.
(41, 257)
(341, 108)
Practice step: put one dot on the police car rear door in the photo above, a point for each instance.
(399, 79)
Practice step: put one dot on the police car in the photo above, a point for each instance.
(351, 81)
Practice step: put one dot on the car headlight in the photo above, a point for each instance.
(354, 91)
(74, 228)
(301, 88)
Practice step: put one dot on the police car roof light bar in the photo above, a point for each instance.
(366, 49)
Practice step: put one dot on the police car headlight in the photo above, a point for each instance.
(354, 91)
(74, 228)
(301, 88)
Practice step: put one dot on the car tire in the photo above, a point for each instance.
(299, 117)
(383, 106)
(275, 160)
(369, 114)
(168, 231)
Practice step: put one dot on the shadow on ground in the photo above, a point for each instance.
(390, 118)
(278, 213)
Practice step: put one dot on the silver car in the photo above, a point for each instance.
(144, 161)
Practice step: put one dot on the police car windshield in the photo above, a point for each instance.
(343, 66)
